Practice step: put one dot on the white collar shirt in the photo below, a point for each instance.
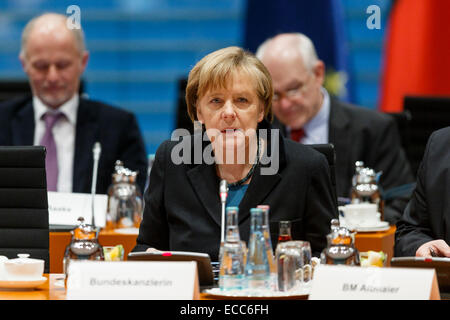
(316, 130)
(64, 135)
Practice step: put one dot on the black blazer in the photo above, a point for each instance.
(427, 216)
(183, 209)
(117, 131)
(361, 134)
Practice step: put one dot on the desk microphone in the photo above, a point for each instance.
(96, 151)
(223, 190)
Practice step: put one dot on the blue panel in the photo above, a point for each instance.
(361, 5)
(10, 62)
(367, 94)
(137, 91)
(369, 61)
(104, 61)
(176, 62)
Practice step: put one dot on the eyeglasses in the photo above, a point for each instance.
(295, 92)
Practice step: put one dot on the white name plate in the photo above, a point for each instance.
(355, 283)
(132, 280)
(66, 208)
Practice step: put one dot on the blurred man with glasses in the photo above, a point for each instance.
(309, 114)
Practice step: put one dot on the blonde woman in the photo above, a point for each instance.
(229, 96)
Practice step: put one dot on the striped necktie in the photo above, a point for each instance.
(51, 159)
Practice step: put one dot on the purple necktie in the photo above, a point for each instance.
(51, 160)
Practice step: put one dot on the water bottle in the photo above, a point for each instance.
(269, 249)
(231, 274)
(257, 269)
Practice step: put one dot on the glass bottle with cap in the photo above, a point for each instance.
(257, 269)
(231, 274)
(284, 231)
(125, 204)
(269, 248)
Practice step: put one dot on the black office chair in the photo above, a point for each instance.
(182, 120)
(402, 119)
(24, 224)
(428, 113)
(327, 149)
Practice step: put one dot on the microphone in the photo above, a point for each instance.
(223, 190)
(96, 151)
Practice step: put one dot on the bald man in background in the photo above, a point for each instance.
(54, 57)
(308, 114)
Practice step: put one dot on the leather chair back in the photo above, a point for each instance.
(24, 222)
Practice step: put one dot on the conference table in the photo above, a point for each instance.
(58, 241)
(54, 288)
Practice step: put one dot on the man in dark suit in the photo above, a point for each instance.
(308, 114)
(424, 229)
(54, 57)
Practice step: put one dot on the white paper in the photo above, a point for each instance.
(131, 280)
(66, 208)
(371, 283)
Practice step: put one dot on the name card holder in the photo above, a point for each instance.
(132, 280)
(64, 209)
(371, 283)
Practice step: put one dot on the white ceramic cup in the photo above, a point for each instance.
(23, 268)
(2, 266)
(361, 214)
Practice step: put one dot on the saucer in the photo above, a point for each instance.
(127, 230)
(379, 226)
(21, 284)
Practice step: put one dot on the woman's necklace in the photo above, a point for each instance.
(250, 173)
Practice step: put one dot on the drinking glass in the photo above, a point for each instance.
(289, 266)
(294, 265)
(305, 248)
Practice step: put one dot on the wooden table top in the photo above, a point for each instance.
(54, 289)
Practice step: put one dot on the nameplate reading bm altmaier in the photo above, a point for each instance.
(132, 280)
(66, 208)
(372, 283)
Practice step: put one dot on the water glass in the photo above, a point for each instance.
(289, 261)
(307, 261)
(294, 265)
(231, 274)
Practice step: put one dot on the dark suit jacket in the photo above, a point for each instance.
(361, 134)
(183, 208)
(116, 130)
(427, 216)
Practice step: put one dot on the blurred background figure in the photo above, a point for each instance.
(310, 115)
(424, 229)
(54, 57)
